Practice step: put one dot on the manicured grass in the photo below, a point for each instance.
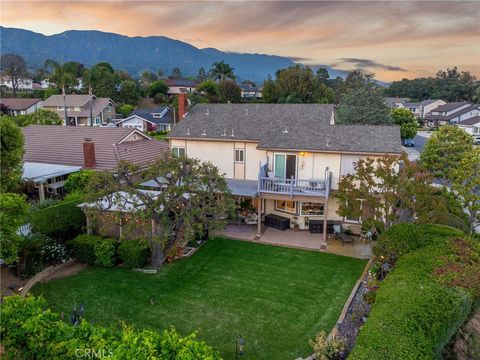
(276, 298)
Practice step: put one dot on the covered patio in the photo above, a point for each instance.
(298, 239)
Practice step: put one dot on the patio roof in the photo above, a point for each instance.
(243, 187)
(39, 172)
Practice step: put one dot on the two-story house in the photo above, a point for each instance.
(250, 92)
(156, 119)
(82, 110)
(285, 158)
(452, 113)
(421, 108)
(182, 86)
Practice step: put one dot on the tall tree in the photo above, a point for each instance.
(194, 201)
(128, 92)
(209, 88)
(295, 82)
(363, 105)
(390, 192)
(11, 154)
(13, 214)
(407, 122)
(201, 75)
(15, 67)
(63, 76)
(222, 71)
(322, 75)
(229, 91)
(270, 91)
(176, 73)
(104, 80)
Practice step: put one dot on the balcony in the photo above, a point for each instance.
(291, 187)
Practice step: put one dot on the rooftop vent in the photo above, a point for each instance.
(224, 132)
(204, 133)
(328, 143)
(207, 112)
(246, 112)
(285, 131)
(188, 131)
(232, 135)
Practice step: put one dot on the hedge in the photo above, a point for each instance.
(83, 247)
(31, 331)
(62, 221)
(417, 309)
(133, 253)
(404, 238)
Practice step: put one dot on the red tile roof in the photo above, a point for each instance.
(64, 145)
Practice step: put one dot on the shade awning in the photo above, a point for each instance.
(40, 172)
(247, 188)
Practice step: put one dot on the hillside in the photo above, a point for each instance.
(133, 54)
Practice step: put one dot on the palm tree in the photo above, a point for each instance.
(221, 71)
(63, 76)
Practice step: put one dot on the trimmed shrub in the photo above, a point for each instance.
(83, 247)
(104, 252)
(29, 330)
(61, 221)
(404, 238)
(133, 253)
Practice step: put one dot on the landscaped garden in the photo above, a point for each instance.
(275, 298)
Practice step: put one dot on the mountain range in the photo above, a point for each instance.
(136, 54)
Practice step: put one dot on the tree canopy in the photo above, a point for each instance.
(11, 154)
(222, 71)
(13, 214)
(14, 66)
(229, 91)
(407, 122)
(39, 117)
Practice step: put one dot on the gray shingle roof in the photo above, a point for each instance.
(70, 100)
(19, 103)
(451, 105)
(453, 115)
(471, 121)
(285, 126)
(147, 114)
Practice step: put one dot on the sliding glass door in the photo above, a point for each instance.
(285, 166)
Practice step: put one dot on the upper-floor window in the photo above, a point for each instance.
(239, 155)
(178, 151)
(109, 108)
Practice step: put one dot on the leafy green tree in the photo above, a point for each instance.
(229, 91)
(270, 91)
(13, 214)
(157, 87)
(125, 109)
(363, 105)
(404, 190)
(450, 154)
(407, 122)
(15, 67)
(210, 89)
(63, 76)
(176, 74)
(177, 218)
(322, 75)
(11, 154)
(222, 71)
(146, 78)
(444, 151)
(295, 84)
(128, 92)
(103, 80)
(78, 182)
(39, 117)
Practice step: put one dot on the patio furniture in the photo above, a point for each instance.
(277, 222)
(251, 219)
(337, 229)
(366, 236)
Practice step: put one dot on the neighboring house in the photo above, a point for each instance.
(287, 159)
(20, 106)
(23, 83)
(250, 92)
(176, 87)
(471, 125)
(157, 119)
(452, 113)
(421, 108)
(78, 109)
(44, 84)
(52, 152)
(395, 102)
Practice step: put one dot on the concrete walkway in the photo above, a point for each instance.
(297, 239)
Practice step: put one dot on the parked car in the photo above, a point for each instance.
(476, 139)
(408, 143)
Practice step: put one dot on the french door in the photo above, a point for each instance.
(285, 166)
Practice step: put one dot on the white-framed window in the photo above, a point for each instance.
(285, 206)
(353, 219)
(312, 209)
(178, 151)
(239, 155)
(109, 119)
(60, 108)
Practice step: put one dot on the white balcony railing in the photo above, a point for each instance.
(312, 187)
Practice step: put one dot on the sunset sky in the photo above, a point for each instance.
(393, 39)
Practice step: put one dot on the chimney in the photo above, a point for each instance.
(182, 105)
(89, 153)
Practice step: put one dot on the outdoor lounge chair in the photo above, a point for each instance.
(337, 230)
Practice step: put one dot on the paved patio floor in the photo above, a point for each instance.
(297, 239)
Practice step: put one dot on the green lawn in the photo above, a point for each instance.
(276, 298)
